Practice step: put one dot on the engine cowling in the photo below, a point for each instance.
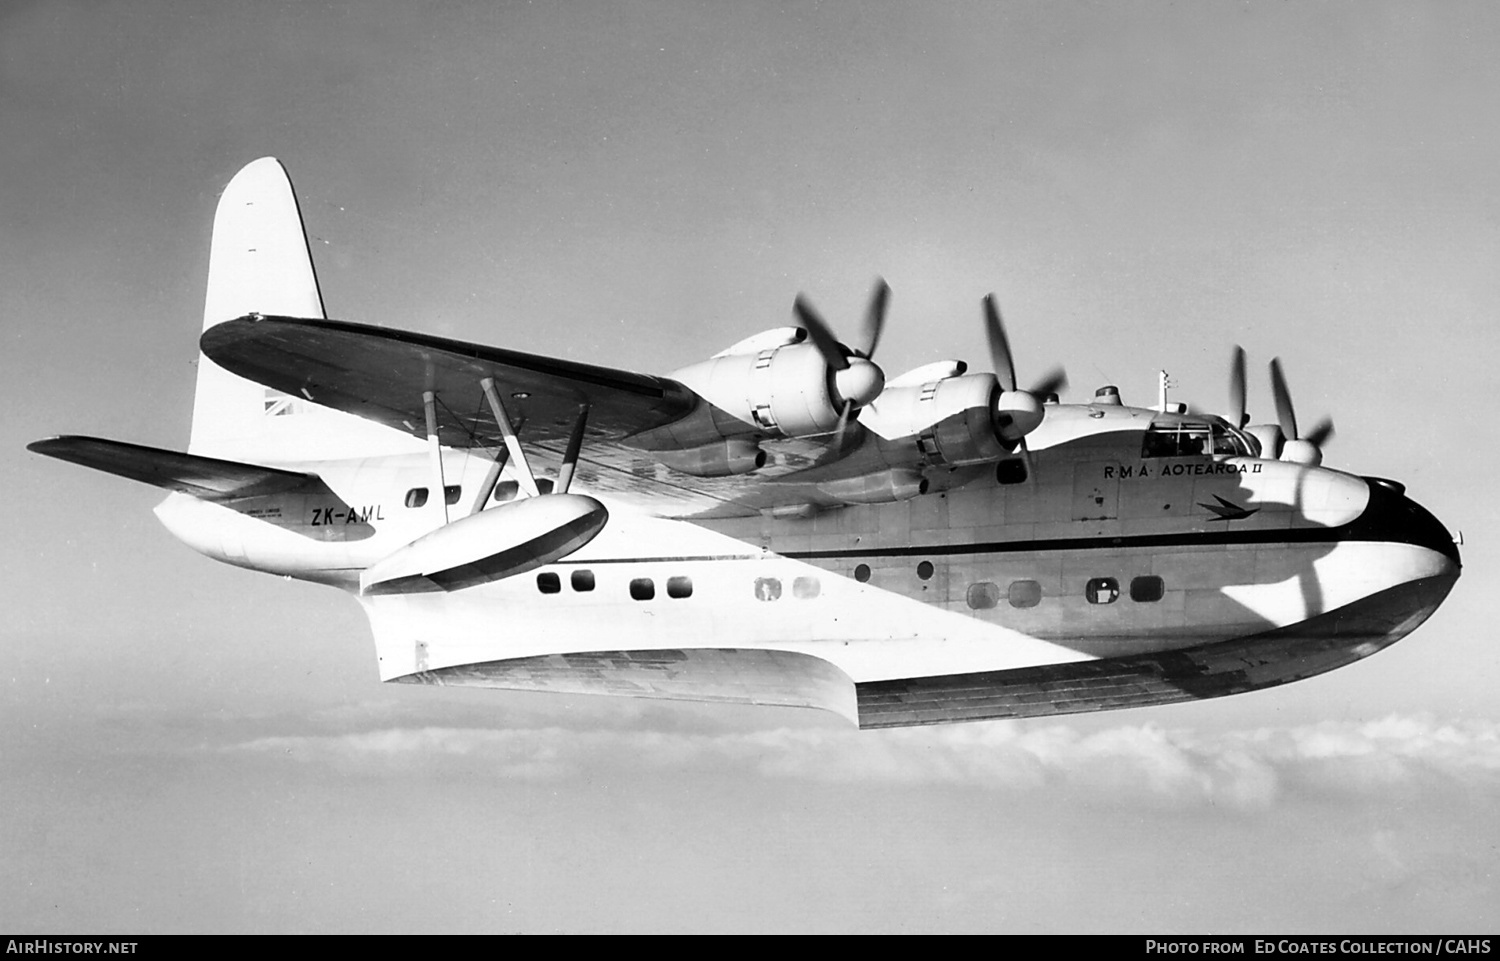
(738, 455)
(952, 421)
(881, 488)
(784, 388)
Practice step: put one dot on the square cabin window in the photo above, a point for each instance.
(416, 497)
(1025, 593)
(679, 587)
(642, 589)
(452, 493)
(1146, 589)
(983, 596)
(582, 580)
(1102, 590)
(548, 583)
(806, 588)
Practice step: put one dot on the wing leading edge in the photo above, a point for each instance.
(381, 374)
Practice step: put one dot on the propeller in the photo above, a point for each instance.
(855, 379)
(1019, 411)
(1297, 449)
(1237, 388)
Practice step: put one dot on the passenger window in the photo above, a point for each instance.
(983, 596)
(642, 589)
(806, 588)
(548, 583)
(582, 580)
(767, 589)
(416, 497)
(1025, 593)
(679, 587)
(1103, 590)
(510, 490)
(924, 570)
(1146, 589)
(452, 493)
(862, 573)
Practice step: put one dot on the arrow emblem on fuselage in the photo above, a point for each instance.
(1227, 510)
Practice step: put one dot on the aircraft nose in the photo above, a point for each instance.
(1392, 516)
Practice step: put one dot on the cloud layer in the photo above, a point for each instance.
(1243, 770)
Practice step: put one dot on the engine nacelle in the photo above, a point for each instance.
(782, 392)
(738, 455)
(1303, 452)
(953, 420)
(1269, 437)
(493, 544)
(881, 488)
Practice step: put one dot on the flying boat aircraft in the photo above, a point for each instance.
(779, 524)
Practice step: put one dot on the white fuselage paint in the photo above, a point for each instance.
(792, 584)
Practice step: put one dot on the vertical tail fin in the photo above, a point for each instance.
(259, 262)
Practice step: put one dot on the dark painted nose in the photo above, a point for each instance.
(1392, 516)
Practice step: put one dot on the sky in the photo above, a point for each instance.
(189, 747)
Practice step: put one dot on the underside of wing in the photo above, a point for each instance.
(207, 478)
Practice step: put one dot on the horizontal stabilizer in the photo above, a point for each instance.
(204, 477)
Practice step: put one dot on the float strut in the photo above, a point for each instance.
(435, 453)
(512, 444)
(570, 459)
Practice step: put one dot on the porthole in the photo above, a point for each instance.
(924, 570)
(862, 573)
(767, 589)
(806, 588)
(416, 497)
(983, 596)
(1147, 589)
(1024, 593)
(582, 580)
(642, 589)
(1102, 590)
(548, 583)
(679, 587)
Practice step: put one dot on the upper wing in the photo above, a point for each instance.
(381, 374)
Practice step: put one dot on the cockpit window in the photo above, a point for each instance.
(1188, 439)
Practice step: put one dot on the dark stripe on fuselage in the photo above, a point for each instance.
(1390, 517)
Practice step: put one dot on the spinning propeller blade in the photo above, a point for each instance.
(880, 298)
(1285, 415)
(1000, 356)
(1018, 412)
(1237, 388)
(1298, 449)
(855, 379)
(821, 334)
